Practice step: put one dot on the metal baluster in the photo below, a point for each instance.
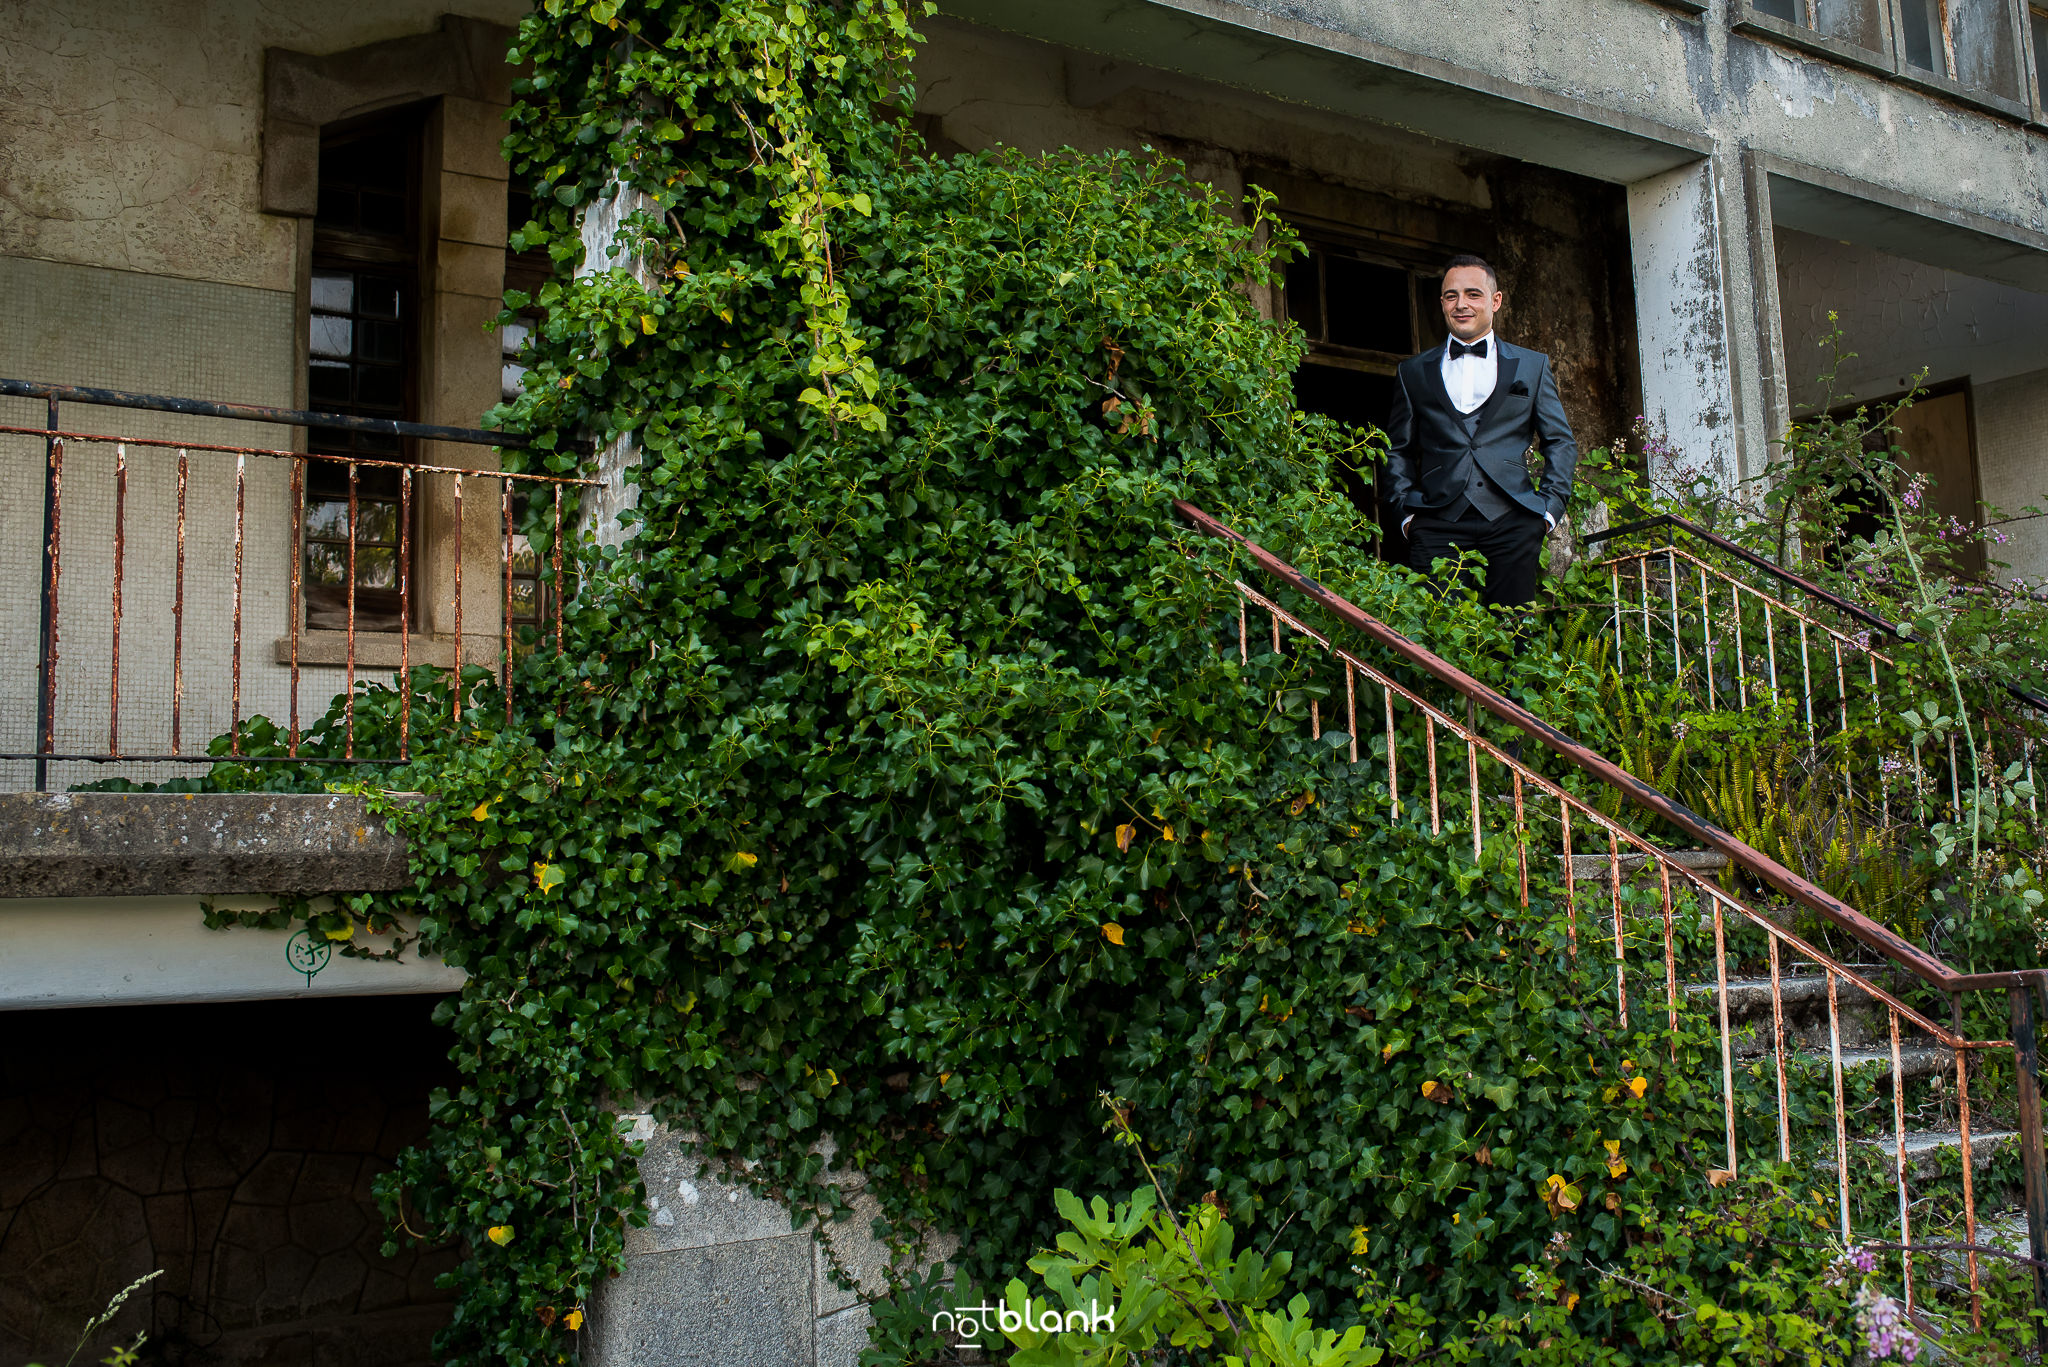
(1393, 789)
(46, 682)
(1707, 636)
(1899, 1126)
(1677, 648)
(1649, 646)
(1521, 840)
(1806, 686)
(1778, 1049)
(1436, 825)
(1771, 650)
(1741, 668)
(1969, 1185)
(505, 664)
(1670, 954)
(120, 547)
(1472, 779)
(1571, 879)
(1351, 708)
(1841, 1106)
(405, 612)
(349, 703)
(1614, 582)
(1727, 1042)
(455, 701)
(1614, 887)
(178, 610)
(1244, 649)
(241, 506)
(1848, 763)
(556, 550)
(293, 613)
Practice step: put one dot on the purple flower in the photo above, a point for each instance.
(1882, 1322)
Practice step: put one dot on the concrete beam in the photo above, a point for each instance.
(139, 844)
(1256, 49)
(1831, 205)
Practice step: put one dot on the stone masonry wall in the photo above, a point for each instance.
(717, 1278)
(232, 1147)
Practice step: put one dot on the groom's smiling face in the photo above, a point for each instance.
(1470, 299)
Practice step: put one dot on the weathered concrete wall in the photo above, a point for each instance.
(2012, 466)
(232, 1148)
(132, 133)
(719, 1278)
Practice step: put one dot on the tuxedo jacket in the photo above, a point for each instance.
(1432, 446)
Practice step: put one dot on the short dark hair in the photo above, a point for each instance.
(1467, 259)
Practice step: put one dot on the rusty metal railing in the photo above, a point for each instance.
(1648, 889)
(1720, 636)
(188, 495)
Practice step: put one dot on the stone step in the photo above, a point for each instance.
(1586, 868)
(1925, 1147)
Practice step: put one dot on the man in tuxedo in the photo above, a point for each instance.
(1465, 413)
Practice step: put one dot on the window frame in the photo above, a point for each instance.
(1749, 19)
(1414, 261)
(2033, 57)
(1938, 83)
(1891, 64)
(403, 258)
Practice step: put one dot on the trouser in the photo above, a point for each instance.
(1513, 547)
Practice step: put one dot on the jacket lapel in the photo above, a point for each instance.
(1510, 360)
(1432, 362)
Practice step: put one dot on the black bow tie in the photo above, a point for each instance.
(1477, 348)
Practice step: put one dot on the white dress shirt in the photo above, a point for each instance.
(1470, 379)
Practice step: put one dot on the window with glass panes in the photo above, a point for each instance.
(1968, 42)
(1860, 23)
(1365, 307)
(362, 348)
(2038, 17)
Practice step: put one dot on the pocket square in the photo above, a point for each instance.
(1518, 388)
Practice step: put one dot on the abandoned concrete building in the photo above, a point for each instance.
(293, 206)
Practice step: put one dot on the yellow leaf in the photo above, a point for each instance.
(483, 810)
(1571, 1300)
(574, 1319)
(1167, 835)
(1360, 1244)
(944, 1078)
(347, 932)
(1124, 836)
(1454, 1217)
(1639, 1085)
(647, 323)
(1112, 932)
(725, 314)
(1429, 1088)
(1356, 927)
(831, 1077)
(499, 1234)
(1627, 1064)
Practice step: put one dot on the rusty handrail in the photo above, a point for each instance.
(1795, 888)
(1845, 606)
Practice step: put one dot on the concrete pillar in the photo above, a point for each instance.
(602, 251)
(1679, 253)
